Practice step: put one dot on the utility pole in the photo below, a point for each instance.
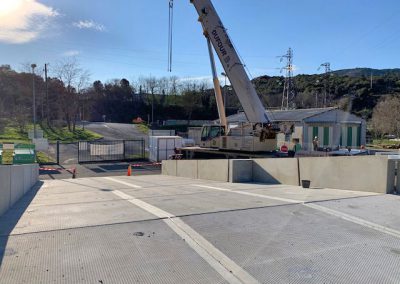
(152, 107)
(47, 94)
(289, 92)
(371, 81)
(33, 66)
(328, 70)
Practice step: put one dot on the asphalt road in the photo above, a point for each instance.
(116, 131)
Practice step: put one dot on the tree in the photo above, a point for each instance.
(386, 117)
(190, 98)
(150, 84)
(75, 79)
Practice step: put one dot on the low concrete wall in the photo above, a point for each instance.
(27, 179)
(213, 170)
(15, 181)
(5, 185)
(186, 168)
(240, 170)
(366, 173)
(168, 167)
(276, 171)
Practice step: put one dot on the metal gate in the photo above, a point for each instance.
(111, 150)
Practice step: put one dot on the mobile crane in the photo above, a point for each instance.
(258, 134)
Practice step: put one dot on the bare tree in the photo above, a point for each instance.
(75, 79)
(150, 84)
(173, 85)
(386, 117)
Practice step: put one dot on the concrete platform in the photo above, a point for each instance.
(163, 229)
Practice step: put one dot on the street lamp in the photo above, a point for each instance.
(34, 100)
(224, 74)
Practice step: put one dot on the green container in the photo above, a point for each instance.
(24, 146)
(24, 156)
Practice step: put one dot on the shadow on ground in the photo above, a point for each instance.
(10, 219)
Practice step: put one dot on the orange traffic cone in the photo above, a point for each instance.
(129, 171)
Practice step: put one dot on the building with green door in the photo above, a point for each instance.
(333, 127)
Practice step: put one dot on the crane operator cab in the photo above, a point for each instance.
(210, 135)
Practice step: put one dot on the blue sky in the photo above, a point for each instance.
(128, 38)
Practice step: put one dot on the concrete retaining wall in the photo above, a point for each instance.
(168, 167)
(366, 173)
(5, 184)
(186, 168)
(240, 170)
(276, 171)
(217, 170)
(15, 181)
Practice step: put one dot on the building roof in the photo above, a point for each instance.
(295, 115)
(334, 116)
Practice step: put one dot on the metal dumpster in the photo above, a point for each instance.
(24, 156)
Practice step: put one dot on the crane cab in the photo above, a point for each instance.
(210, 135)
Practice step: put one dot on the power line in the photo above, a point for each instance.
(326, 98)
(47, 94)
(289, 93)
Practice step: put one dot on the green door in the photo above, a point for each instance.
(359, 136)
(349, 136)
(326, 136)
(315, 132)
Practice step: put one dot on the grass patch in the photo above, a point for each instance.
(43, 158)
(12, 134)
(385, 144)
(142, 128)
(65, 136)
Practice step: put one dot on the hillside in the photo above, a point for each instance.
(360, 72)
(352, 93)
(121, 101)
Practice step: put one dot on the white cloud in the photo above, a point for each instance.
(89, 24)
(22, 21)
(204, 79)
(71, 53)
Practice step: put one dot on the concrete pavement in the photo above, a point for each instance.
(161, 229)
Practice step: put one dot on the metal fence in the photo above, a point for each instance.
(111, 150)
(49, 156)
(58, 153)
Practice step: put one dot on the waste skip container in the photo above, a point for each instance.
(24, 156)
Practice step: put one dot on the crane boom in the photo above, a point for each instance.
(229, 58)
